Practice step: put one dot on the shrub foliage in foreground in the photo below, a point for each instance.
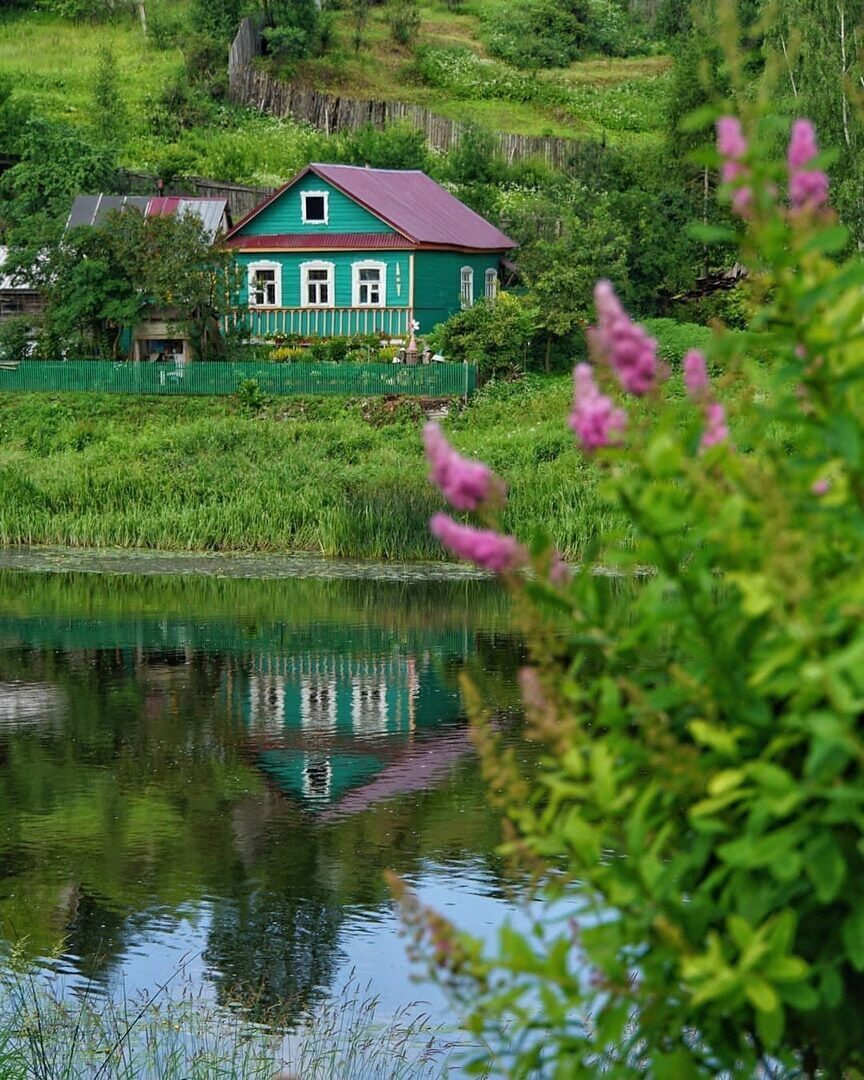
(699, 785)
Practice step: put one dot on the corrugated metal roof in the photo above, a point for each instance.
(322, 241)
(93, 209)
(411, 202)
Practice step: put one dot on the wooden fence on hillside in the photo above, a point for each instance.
(256, 88)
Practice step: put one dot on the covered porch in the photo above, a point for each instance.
(321, 322)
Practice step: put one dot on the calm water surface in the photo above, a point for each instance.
(213, 770)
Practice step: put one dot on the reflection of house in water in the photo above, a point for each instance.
(326, 724)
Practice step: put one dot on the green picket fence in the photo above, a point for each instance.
(224, 377)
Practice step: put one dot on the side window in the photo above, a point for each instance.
(315, 207)
(466, 286)
(491, 284)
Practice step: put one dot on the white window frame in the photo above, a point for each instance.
(318, 264)
(369, 264)
(466, 286)
(265, 264)
(325, 195)
(491, 284)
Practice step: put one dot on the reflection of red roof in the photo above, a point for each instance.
(318, 241)
(408, 200)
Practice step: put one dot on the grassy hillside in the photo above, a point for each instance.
(620, 97)
(53, 63)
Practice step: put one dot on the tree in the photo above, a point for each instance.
(218, 19)
(109, 112)
(101, 280)
(561, 272)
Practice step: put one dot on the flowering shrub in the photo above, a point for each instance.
(697, 797)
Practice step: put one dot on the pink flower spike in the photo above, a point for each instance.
(465, 484)
(559, 571)
(716, 429)
(695, 375)
(730, 138)
(594, 418)
(821, 487)
(732, 147)
(629, 350)
(484, 547)
(808, 188)
(802, 145)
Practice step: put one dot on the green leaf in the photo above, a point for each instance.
(825, 866)
(770, 1025)
(829, 241)
(676, 1066)
(853, 937)
(786, 969)
(761, 993)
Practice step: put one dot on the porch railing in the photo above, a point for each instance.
(389, 322)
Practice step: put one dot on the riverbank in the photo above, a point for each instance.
(338, 478)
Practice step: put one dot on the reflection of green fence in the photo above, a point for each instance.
(223, 377)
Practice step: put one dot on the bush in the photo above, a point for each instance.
(16, 340)
(404, 21)
(674, 339)
(496, 335)
(538, 33)
(691, 802)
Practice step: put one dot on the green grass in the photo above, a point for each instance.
(175, 1035)
(53, 62)
(341, 479)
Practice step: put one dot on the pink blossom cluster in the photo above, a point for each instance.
(699, 390)
(465, 484)
(594, 418)
(484, 547)
(808, 188)
(732, 147)
(631, 353)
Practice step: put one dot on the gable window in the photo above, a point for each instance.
(491, 284)
(316, 284)
(466, 286)
(315, 207)
(265, 285)
(369, 284)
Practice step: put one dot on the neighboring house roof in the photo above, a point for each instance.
(93, 209)
(408, 200)
(321, 241)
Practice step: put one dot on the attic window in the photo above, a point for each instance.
(314, 207)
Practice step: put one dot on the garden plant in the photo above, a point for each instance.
(694, 796)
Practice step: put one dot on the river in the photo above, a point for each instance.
(206, 769)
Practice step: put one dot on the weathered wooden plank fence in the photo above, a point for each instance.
(252, 86)
(225, 377)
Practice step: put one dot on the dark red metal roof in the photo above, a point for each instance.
(320, 241)
(409, 201)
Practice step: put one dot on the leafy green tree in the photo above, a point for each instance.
(218, 19)
(101, 280)
(108, 115)
(561, 271)
(399, 146)
(57, 163)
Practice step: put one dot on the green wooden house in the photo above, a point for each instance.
(343, 250)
